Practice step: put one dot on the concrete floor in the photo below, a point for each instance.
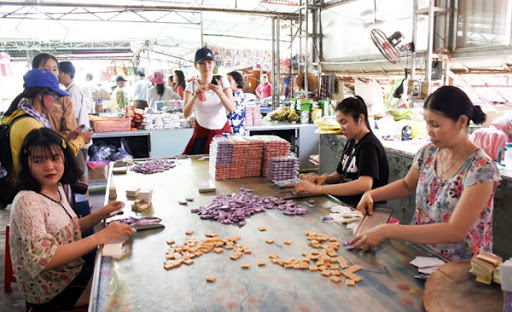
(14, 302)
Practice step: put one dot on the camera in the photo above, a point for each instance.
(214, 79)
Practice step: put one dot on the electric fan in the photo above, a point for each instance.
(388, 46)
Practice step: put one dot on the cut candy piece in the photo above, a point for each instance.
(336, 279)
(211, 278)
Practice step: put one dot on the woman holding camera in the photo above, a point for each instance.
(211, 100)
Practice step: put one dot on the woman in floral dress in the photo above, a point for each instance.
(237, 116)
(454, 180)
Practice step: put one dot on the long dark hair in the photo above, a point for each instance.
(44, 139)
(453, 103)
(181, 78)
(354, 106)
(42, 58)
(28, 93)
(160, 88)
(239, 79)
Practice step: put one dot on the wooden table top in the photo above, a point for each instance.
(453, 288)
(138, 282)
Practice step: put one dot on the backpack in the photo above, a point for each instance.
(8, 189)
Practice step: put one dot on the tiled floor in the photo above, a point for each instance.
(13, 302)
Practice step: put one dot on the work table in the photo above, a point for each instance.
(139, 282)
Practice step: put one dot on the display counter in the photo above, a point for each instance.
(139, 282)
(170, 142)
(400, 156)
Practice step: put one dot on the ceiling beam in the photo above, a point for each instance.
(141, 8)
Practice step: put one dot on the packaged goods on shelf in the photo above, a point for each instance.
(163, 120)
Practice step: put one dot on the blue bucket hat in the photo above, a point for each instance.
(203, 54)
(40, 78)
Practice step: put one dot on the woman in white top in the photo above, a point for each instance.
(211, 100)
(159, 92)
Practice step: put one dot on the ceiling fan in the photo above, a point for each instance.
(389, 46)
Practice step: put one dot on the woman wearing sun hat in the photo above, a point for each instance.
(37, 99)
(211, 100)
(159, 92)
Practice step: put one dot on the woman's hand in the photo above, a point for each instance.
(87, 136)
(370, 238)
(107, 210)
(216, 87)
(366, 204)
(114, 231)
(200, 92)
(72, 135)
(306, 186)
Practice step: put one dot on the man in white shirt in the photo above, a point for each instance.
(140, 90)
(87, 89)
(66, 76)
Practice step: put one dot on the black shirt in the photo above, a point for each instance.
(366, 158)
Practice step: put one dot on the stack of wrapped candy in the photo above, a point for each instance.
(273, 146)
(239, 157)
(485, 266)
(254, 156)
(283, 168)
(221, 151)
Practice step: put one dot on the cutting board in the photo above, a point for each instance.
(453, 288)
(379, 216)
(293, 195)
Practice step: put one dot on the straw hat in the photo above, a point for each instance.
(312, 81)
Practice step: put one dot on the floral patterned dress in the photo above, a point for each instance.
(436, 200)
(38, 226)
(237, 116)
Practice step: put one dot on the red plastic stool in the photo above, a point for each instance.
(8, 272)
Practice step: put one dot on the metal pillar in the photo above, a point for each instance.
(201, 27)
(430, 47)
(306, 18)
(277, 56)
(414, 36)
(273, 104)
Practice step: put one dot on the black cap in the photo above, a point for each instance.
(203, 54)
(120, 78)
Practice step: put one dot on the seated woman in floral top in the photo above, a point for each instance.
(237, 116)
(46, 235)
(454, 180)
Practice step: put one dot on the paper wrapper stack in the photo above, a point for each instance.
(221, 153)
(273, 146)
(485, 266)
(237, 157)
(283, 168)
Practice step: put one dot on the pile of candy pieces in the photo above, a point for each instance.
(235, 208)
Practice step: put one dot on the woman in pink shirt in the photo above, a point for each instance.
(264, 90)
